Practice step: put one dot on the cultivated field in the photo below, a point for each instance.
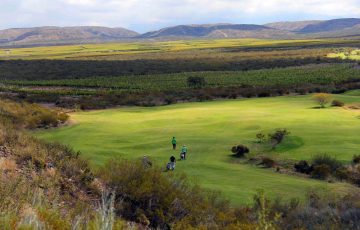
(210, 130)
(325, 74)
(98, 51)
(352, 54)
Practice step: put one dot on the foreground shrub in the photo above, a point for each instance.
(337, 103)
(342, 173)
(319, 212)
(30, 115)
(265, 219)
(239, 151)
(148, 196)
(321, 171)
(354, 176)
(63, 117)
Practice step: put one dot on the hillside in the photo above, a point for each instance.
(62, 35)
(331, 25)
(277, 30)
(217, 31)
(292, 26)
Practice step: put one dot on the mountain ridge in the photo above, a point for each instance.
(53, 35)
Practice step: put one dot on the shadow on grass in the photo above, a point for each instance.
(318, 107)
(290, 143)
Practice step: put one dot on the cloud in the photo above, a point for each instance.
(144, 15)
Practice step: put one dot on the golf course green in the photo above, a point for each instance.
(210, 129)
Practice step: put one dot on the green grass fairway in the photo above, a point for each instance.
(210, 129)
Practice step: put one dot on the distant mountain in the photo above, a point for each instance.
(292, 26)
(278, 30)
(217, 31)
(62, 35)
(90, 34)
(331, 25)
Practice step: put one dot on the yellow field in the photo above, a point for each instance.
(85, 51)
(353, 55)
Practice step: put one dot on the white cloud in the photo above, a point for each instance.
(145, 15)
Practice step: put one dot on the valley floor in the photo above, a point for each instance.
(210, 129)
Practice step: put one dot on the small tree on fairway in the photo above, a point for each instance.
(277, 137)
(260, 137)
(322, 99)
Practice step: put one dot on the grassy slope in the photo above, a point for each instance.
(210, 129)
(355, 92)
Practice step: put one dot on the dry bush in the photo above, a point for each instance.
(30, 115)
(150, 197)
(7, 165)
(337, 103)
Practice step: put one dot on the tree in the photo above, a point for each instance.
(322, 99)
(277, 137)
(260, 137)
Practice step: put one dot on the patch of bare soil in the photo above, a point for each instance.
(353, 106)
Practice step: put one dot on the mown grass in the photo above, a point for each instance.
(355, 92)
(210, 129)
(126, 48)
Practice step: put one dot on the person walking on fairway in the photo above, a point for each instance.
(183, 152)
(171, 164)
(173, 142)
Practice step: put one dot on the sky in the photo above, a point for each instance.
(148, 15)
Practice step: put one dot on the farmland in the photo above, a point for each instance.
(286, 77)
(352, 54)
(121, 51)
(160, 89)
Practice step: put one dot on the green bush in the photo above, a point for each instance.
(356, 159)
(239, 150)
(303, 167)
(342, 173)
(324, 159)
